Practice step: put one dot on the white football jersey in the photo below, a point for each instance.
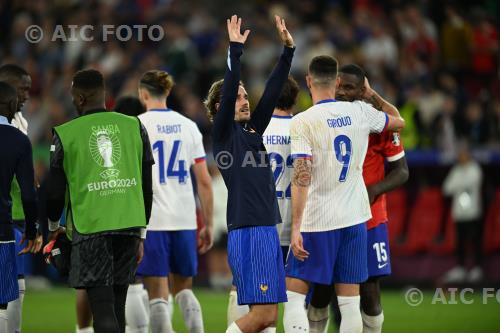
(277, 141)
(176, 144)
(335, 136)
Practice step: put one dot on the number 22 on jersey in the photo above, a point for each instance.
(176, 168)
(279, 170)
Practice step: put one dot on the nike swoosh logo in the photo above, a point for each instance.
(382, 266)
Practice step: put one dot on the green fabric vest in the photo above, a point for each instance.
(103, 167)
(409, 134)
(17, 204)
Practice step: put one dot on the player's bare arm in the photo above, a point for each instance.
(302, 172)
(205, 193)
(301, 180)
(396, 176)
(378, 102)
(396, 122)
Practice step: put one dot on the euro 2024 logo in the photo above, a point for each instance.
(105, 149)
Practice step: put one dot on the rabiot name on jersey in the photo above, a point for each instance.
(168, 129)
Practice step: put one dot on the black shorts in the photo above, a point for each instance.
(103, 260)
(221, 243)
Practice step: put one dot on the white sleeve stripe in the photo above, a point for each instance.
(229, 58)
(395, 157)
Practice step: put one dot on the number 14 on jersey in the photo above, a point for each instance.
(176, 168)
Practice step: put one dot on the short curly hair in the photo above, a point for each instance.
(213, 97)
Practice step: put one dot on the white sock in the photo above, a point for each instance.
(295, 317)
(191, 310)
(3, 321)
(318, 319)
(235, 311)
(233, 328)
(145, 299)
(89, 329)
(15, 309)
(159, 318)
(136, 315)
(351, 314)
(171, 306)
(372, 324)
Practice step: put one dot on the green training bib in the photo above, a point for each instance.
(103, 166)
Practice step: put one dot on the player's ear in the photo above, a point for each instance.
(217, 105)
(308, 81)
(141, 93)
(81, 99)
(337, 82)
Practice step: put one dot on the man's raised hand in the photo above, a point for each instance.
(283, 32)
(234, 30)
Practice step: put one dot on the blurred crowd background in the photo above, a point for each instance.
(438, 61)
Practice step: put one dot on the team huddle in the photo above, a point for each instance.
(306, 207)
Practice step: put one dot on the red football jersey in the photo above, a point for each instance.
(384, 146)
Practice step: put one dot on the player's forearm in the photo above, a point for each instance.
(381, 104)
(397, 175)
(301, 180)
(205, 194)
(274, 85)
(225, 115)
(299, 198)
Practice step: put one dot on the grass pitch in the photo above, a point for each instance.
(53, 311)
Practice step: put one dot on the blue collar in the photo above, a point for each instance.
(4, 121)
(282, 117)
(161, 110)
(327, 101)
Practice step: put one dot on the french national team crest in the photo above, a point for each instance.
(263, 288)
(396, 139)
(105, 149)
